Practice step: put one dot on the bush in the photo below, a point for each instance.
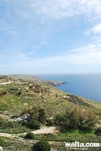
(32, 124)
(77, 119)
(42, 115)
(6, 124)
(29, 136)
(98, 131)
(2, 142)
(50, 122)
(41, 146)
(83, 119)
(2, 92)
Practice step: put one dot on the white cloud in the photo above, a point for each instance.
(54, 9)
(47, 11)
(95, 29)
(58, 9)
(83, 56)
(90, 54)
(31, 52)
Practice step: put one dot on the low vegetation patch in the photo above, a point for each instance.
(2, 142)
(33, 124)
(41, 146)
(29, 136)
(98, 131)
(77, 119)
(11, 127)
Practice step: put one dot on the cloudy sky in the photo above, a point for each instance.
(50, 36)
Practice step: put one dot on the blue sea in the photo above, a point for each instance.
(86, 85)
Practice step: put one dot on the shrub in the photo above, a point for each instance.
(77, 119)
(2, 92)
(42, 115)
(2, 142)
(98, 131)
(82, 119)
(29, 136)
(32, 124)
(41, 146)
(6, 124)
(50, 122)
(36, 113)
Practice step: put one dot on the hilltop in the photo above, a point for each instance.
(36, 78)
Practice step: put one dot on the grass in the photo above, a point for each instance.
(69, 136)
(12, 127)
(15, 104)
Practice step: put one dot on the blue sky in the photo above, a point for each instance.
(43, 36)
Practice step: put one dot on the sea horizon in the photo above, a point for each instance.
(87, 85)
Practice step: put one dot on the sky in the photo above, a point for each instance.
(50, 36)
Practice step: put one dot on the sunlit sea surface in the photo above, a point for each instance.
(86, 85)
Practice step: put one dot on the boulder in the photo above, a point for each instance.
(22, 118)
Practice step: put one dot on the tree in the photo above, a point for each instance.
(77, 118)
(82, 119)
(42, 115)
(41, 146)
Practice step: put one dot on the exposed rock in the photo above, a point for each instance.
(66, 97)
(17, 82)
(22, 118)
(55, 83)
(30, 86)
(27, 89)
(26, 104)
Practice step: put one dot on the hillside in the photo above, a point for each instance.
(20, 95)
(36, 78)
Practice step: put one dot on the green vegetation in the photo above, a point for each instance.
(29, 136)
(2, 142)
(42, 115)
(75, 117)
(11, 127)
(33, 124)
(41, 146)
(98, 131)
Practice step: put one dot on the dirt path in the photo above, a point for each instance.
(43, 130)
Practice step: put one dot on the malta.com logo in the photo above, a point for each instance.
(1, 148)
(81, 146)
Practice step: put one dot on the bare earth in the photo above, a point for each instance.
(43, 130)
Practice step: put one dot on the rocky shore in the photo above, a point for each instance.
(55, 83)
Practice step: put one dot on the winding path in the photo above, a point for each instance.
(43, 130)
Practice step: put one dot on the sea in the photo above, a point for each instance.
(85, 85)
